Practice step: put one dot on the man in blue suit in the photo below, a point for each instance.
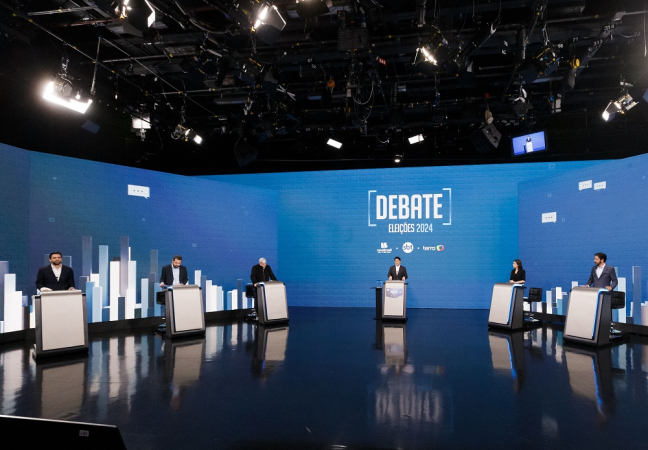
(602, 276)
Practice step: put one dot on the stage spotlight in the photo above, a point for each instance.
(61, 92)
(184, 133)
(398, 158)
(137, 16)
(435, 50)
(334, 143)
(416, 139)
(268, 24)
(621, 105)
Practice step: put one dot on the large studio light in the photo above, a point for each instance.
(186, 134)
(434, 50)
(268, 23)
(621, 105)
(62, 93)
(416, 139)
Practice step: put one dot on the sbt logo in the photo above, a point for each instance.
(408, 247)
(423, 206)
(438, 248)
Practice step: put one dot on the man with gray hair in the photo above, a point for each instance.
(262, 272)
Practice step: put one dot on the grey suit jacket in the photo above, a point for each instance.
(608, 278)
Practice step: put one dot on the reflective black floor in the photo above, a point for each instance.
(335, 378)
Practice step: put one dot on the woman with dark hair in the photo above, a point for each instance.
(518, 275)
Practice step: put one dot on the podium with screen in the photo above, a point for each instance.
(394, 301)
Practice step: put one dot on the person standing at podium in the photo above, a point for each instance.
(602, 275)
(261, 272)
(56, 276)
(518, 274)
(174, 273)
(397, 272)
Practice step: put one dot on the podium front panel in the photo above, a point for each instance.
(394, 300)
(61, 321)
(583, 312)
(188, 309)
(273, 304)
(507, 306)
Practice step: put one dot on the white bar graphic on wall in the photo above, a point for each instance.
(600, 185)
(549, 217)
(12, 304)
(114, 290)
(219, 298)
(144, 296)
(585, 185)
(197, 275)
(131, 290)
(97, 304)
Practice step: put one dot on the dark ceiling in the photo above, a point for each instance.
(265, 99)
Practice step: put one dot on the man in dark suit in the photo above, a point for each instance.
(174, 273)
(56, 276)
(397, 272)
(262, 272)
(602, 276)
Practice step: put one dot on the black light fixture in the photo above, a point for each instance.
(307, 9)
(268, 23)
(624, 103)
(434, 51)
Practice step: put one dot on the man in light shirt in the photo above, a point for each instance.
(602, 276)
(55, 276)
(174, 274)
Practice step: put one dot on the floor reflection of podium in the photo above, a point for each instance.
(184, 358)
(270, 344)
(62, 386)
(507, 354)
(590, 377)
(394, 337)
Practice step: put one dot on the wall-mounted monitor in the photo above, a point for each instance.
(529, 143)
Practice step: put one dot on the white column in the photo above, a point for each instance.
(97, 304)
(12, 304)
(131, 290)
(114, 290)
(144, 296)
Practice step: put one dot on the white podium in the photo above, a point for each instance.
(61, 322)
(273, 304)
(507, 306)
(394, 300)
(589, 316)
(185, 314)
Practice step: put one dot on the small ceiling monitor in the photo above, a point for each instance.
(529, 143)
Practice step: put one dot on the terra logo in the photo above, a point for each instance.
(440, 248)
(408, 247)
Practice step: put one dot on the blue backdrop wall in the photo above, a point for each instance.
(49, 203)
(455, 228)
(567, 218)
